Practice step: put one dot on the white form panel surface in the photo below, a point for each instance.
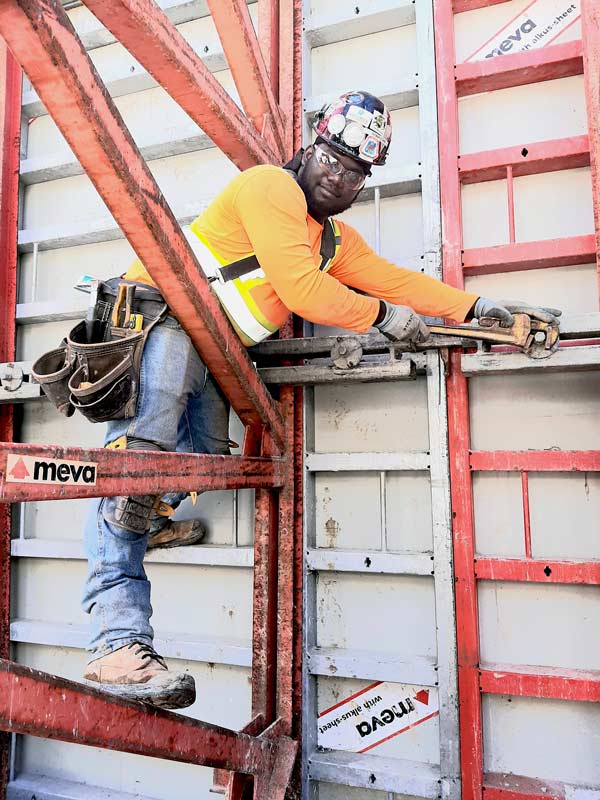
(356, 418)
(551, 738)
(544, 286)
(539, 625)
(522, 114)
(553, 497)
(556, 411)
(498, 514)
(366, 61)
(376, 613)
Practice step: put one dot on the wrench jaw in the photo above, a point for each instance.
(543, 340)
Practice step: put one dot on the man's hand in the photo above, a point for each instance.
(503, 310)
(401, 324)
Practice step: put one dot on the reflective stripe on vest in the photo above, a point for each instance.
(235, 295)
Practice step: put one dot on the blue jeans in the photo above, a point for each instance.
(181, 408)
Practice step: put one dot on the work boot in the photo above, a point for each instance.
(137, 672)
(177, 534)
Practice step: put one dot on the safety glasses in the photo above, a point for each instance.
(351, 178)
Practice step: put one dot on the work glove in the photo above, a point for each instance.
(401, 324)
(503, 310)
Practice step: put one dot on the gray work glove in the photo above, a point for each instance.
(401, 324)
(503, 310)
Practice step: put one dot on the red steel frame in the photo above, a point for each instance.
(454, 81)
(10, 126)
(267, 74)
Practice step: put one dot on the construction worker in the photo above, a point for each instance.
(269, 245)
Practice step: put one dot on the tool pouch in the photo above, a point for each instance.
(52, 371)
(105, 383)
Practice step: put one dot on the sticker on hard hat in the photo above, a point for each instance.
(353, 134)
(359, 114)
(375, 715)
(369, 148)
(336, 123)
(355, 97)
(378, 122)
(538, 25)
(30, 469)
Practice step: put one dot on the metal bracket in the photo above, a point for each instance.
(15, 383)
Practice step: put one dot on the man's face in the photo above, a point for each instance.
(326, 193)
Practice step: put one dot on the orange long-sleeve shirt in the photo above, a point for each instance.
(263, 211)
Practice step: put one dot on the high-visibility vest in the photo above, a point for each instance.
(233, 281)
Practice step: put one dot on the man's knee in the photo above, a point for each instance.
(131, 512)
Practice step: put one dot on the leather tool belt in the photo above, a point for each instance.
(96, 369)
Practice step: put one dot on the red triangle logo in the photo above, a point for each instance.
(20, 471)
(422, 696)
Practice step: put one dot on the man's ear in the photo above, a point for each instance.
(308, 154)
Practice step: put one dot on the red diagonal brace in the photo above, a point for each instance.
(25, 471)
(45, 43)
(39, 704)
(145, 30)
(247, 65)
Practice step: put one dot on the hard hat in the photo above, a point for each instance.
(357, 124)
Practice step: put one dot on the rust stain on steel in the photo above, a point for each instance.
(138, 472)
(590, 33)
(571, 684)
(264, 631)
(36, 703)
(10, 125)
(285, 584)
(298, 620)
(70, 88)
(148, 34)
(518, 69)
(247, 65)
(332, 529)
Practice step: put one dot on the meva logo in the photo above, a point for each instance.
(29, 469)
(51, 472)
(513, 39)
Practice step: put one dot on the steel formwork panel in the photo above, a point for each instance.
(63, 82)
(336, 581)
(454, 81)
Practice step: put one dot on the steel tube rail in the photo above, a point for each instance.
(36, 472)
(535, 460)
(146, 31)
(565, 252)
(467, 632)
(10, 127)
(247, 65)
(264, 620)
(268, 36)
(519, 69)
(290, 71)
(470, 5)
(66, 80)
(536, 570)
(590, 31)
(34, 702)
(578, 685)
(285, 576)
(529, 159)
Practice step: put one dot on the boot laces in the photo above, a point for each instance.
(147, 653)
